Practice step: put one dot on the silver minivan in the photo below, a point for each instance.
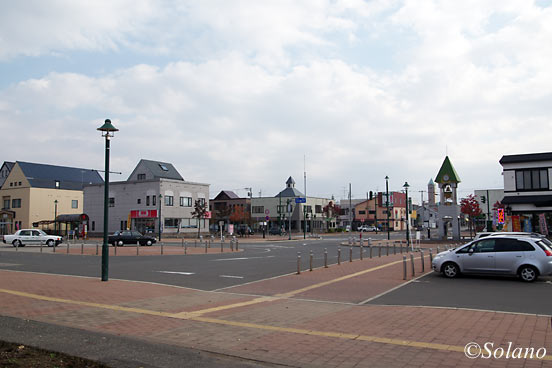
(522, 255)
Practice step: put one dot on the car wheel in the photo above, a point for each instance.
(528, 273)
(450, 270)
(17, 243)
(120, 243)
(149, 243)
(50, 243)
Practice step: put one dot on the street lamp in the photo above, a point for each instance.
(55, 216)
(159, 225)
(289, 217)
(406, 186)
(108, 131)
(387, 204)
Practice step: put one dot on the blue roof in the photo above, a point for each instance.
(46, 176)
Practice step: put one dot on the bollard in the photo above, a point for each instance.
(205, 247)
(68, 247)
(232, 245)
(422, 258)
(116, 249)
(412, 264)
(82, 248)
(394, 248)
(182, 242)
(54, 247)
(361, 251)
(185, 248)
(17, 246)
(325, 257)
(431, 257)
(40, 247)
(310, 261)
(221, 246)
(298, 263)
(379, 250)
(361, 242)
(350, 241)
(97, 245)
(351, 253)
(387, 249)
(404, 267)
(338, 255)
(237, 244)
(137, 248)
(195, 243)
(161, 248)
(438, 250)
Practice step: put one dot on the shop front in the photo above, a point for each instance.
(143, 221)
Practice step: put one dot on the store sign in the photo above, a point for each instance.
(500, 216)
(143, 213)
(542, 224)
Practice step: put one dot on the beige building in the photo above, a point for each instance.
(34, 194)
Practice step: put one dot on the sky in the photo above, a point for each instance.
(246, 93)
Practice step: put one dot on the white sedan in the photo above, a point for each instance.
(32, 237)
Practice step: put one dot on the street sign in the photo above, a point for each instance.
(267, 211)
(300, 200)
(267, 218)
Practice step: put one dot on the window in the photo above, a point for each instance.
(512, 245)
(6, 205)
(16, 203)
(74, 203)
(185, 201)
(11, 184)
(258, 209)
(19, 184)
(147, 200)
(201, 201)
(169, 200)
(56, 184)
(318, 208)
(93, 225)
(112, 202)
(482, 246)
(535, 179)
(361, 212)
(153, 200)
(141, 177)
(139, 201)
(171, 222)
(308, 209)
(163, 167)
(25, 233)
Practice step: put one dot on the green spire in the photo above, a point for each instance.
(447, 174)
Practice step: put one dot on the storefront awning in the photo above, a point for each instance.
(536, 200)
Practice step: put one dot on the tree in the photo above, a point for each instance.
(238, 215)
(330, 211)
(470, 207)
(200, 210)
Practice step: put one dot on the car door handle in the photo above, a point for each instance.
(518, 256)
(490, 256)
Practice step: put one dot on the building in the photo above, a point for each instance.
(283, 210)
(38, 194)
(154, 194)
(448, 211)
(5, 171)
(373, 212)
(228, 207)
(489, 201)
(527, 191)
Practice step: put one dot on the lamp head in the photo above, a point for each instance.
(406, 186)
(108, 130)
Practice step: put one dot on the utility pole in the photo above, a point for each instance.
(376, 211)
(305, 205)
(387, 204)
(489, 222)
(350, 209)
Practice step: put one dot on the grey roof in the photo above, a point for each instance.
(528, 157)
(226, 194)
(290, 192)
(9, 164)
(71, 178)
(156, 169)
(290, 181)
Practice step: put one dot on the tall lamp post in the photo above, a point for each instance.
(289, 206)
(387, 204)
(405, 186)
(55, 216)
(108, 131)
(159, 224)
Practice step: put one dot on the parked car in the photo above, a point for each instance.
(275, 230)
(120, 238)
(32, 237)
(367, 228)
(244, 230)
(525, 256)
(495, 233)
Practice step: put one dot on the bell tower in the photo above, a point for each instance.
(448, 212)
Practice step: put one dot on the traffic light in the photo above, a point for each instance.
(483, 199)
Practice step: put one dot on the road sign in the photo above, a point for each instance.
(267, 211)
(300, 200)
(267, 218)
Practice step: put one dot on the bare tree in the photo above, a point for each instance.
(200, 210)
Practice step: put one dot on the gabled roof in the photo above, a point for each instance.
(8, 164)
(159, 170)
(528, 157)
(71, 178)
(226, 194)
(289, 192)
(447, 169)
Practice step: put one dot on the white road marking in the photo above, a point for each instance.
(232, 277)
(178, 273)
(240, 259)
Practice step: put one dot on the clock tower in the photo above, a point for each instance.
(448, 212)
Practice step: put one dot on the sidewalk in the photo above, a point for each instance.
(308, 320)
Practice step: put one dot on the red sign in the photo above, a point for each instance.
(143, 214)
(207, 214)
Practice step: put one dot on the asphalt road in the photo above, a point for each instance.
(476, 292)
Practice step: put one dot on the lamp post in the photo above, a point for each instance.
(159, 224)
(108, 131)
(289, 217)
(387, 204)
(55, 216)
(405, 186)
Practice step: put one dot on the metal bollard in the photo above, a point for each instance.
(68, 247)
(298, 263)
(116, 249)
(387, 249)
(361, 251)
(338, 255)
(310, 261)
(17, 246)
(97, 245)
(394, 248)
(232, 245)
(438, 250)
(82, 248)
(350, 240)
(41, 247)
(137, 248)
(182, 242)
(412, 264)
(430, 257)
(404, 267)
(325, 257)
(205, 247)
(422, 258)
(379, 250)
(221, 246)
(161, 248)
(237, 244)
(351, 253)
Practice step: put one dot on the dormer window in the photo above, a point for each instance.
(141, 176)
(163, 167)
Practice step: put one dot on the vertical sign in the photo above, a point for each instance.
(500, 216)
(542, 224)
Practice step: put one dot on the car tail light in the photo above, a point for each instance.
(548, 253)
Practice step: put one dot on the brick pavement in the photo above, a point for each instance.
(281, 327)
